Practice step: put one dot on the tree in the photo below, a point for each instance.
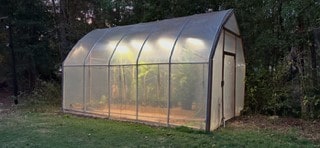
(277, 41)
(31, 24)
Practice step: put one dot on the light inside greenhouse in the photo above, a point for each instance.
(186, 71)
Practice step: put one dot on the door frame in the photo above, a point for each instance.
(225, 53)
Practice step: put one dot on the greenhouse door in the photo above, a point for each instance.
(228, 86)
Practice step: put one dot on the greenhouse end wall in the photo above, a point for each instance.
(159, 72)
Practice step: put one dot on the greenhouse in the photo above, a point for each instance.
(186, 71)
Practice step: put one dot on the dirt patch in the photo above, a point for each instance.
(5, 98)
(6, 102)
(309, 129)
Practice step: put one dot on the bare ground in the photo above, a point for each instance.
(309, 129)
(5, 101)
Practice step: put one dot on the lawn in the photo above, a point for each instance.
(29, 128)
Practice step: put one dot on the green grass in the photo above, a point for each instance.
(49, 129)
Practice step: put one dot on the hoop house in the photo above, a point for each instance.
(186, 71)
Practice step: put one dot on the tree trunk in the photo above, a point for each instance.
(301, 62)
(32, 73)
(314, 72)
(316, 45)
(14, 71)
(62, 30)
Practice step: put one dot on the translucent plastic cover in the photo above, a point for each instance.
(159, 45)
(189, 95)
(196, 40)
(80, 51)
(103, 49)
(73, 88)
(128, 48)
(185, 39)
(153, 84)
(159, 71)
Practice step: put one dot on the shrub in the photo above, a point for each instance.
(44, 96)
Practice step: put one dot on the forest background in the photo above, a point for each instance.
(281, 41)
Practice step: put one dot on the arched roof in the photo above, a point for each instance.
(189, 39)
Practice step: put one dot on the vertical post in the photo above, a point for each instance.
(169, 95)
(84, 106)
(137, 89)
(222, 81)
(15, 85)
(109, 91)
(209, 95)
(235, 78)
(314, 64)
